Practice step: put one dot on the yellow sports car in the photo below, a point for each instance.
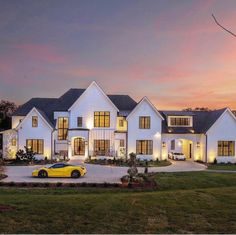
(60, 170)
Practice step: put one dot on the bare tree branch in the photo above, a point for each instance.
(223, 27)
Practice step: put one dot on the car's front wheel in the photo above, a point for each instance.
(75, 174)
(42, 174)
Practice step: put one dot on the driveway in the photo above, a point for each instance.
(95, 173)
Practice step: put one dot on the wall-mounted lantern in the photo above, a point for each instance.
(163, 144)
(198, 144)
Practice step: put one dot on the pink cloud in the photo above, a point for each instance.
(46, 53)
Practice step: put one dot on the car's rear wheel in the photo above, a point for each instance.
(75, 174)
(42, 174)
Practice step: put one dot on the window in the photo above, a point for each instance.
(226, 148)
(79, 146)
(101, 119)
(63, 125)
(122, 143)
(13, 142)
(172, 145)
(79, 121)
(36, 145)
(34, 121)
(179, 121)
(121, 122)
(101, 147)
(144, 122)
(144, 147)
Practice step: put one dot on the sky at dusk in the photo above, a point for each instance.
(171, 51)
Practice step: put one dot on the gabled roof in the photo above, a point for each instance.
(47, 106)
(151, 105)
(202, 121)
(41, 114)
(94, 84)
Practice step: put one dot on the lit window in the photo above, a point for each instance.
(101, 147)
(121, 122)
(144, 122)
(144, 147)
(122, 143)
(180, 121)
(34, 121)
(226, 148)
(63, 125)
(36, 145)
(79, 121)
(101, 119)
(13, 142)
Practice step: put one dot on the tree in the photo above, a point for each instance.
(228, 31)
(6, 110)
(197, 109)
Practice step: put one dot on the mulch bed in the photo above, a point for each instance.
(148, 185)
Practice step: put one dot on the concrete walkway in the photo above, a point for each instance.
(95, 173)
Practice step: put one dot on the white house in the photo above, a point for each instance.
(88, 122)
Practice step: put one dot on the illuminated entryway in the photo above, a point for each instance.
(79, 146)
(184, 146)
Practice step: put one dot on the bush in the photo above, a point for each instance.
(26, 155)
(215, 161)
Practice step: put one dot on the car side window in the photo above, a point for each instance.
(57, 166)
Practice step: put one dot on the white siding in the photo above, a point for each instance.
(154, 133)
(90, 101)
(198, 151)
(43, 131)
(15, 120)
(223, 129)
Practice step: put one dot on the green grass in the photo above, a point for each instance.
(227, 167)
(200, 202)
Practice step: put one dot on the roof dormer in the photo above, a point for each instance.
(180, 121)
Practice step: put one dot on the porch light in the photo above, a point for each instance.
(198, 145)
(192, 131)
(169, 130)
(180, 143)
(163, 144)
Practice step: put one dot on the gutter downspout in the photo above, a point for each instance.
(206, 148)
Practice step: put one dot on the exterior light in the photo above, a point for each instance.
(198, 144)
(180, 143)
(169, 130)
(163, 144)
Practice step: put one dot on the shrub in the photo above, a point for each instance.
(59, 184)
(25, 155)
(215, 161)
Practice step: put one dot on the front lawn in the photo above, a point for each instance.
(206, 205)
(226, 167)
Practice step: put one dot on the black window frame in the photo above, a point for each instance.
(144, 147)
(35, 121)
(103, 145)
(62, 130)
(144, 122)
(38, 150)
(102, 119)
(79, 121)
(224, 148)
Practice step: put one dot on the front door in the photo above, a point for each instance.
(190, 150)
(79, 146)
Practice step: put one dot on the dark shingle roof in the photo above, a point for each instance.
(202, 121)
(47, 106)
(123, 102)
